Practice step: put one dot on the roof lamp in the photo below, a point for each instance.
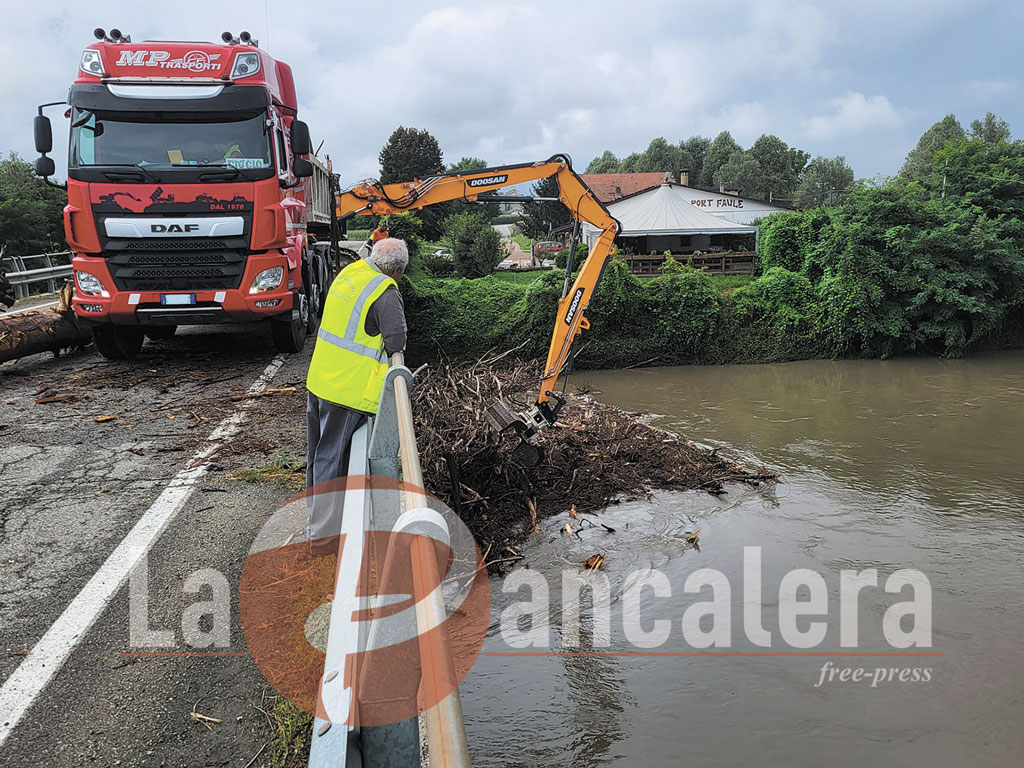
(91, 62)
(246, 63)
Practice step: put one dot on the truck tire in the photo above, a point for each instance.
(290, 333)
(160, 332)
(118, 342)
(315, 279)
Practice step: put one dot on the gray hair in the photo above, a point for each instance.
(389, 255)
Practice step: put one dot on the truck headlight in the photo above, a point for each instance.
(267, 280)
(90, 285)
(91, 62)
(246, 64)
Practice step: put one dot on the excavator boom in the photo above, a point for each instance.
(371, 197)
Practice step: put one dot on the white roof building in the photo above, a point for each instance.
(667, 210)
(664, 213)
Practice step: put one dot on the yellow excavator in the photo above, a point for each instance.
(372, 197)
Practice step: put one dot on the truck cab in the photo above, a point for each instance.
(187, 192)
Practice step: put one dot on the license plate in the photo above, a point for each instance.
(177, 299)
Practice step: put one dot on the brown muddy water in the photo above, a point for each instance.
(903, 464)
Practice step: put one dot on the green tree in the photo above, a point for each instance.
(661, 156)
(781, 166)
(467, 164)
(798, 160)
(31, 211)
(407, 226)
(477, 245)
(743, 172)
(606, 163)
(414, 154)
(990, 129)
(631, 163)
(694, 149)
(826, 181)
(919, 161)
(718, 154)
(486, 209)
(410, 154)
(542, 217)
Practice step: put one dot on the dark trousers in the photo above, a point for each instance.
(329, 430)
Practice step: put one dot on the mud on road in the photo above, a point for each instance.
(86, 446)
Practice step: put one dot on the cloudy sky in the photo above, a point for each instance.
(510, 82)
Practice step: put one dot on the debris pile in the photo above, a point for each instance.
(595, 456)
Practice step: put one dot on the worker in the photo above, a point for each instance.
(363, 322)
(380, 233)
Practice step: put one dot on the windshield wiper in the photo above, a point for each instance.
(136, 166)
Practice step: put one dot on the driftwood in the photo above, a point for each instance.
(41, 330)
(595, 456)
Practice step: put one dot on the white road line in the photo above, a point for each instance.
(25, 684)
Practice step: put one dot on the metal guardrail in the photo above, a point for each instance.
(376, 449)
(22, 275)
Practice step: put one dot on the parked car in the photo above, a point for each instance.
(444, 253)
(506, 264)
(548, 263)
(547, 246)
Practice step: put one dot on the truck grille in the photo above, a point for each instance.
(177, 245)
(187, 268)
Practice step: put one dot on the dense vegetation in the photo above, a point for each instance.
(30, 211)
(931, 261)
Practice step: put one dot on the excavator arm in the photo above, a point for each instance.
(370, 197)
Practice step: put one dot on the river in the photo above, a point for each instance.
(887, 465)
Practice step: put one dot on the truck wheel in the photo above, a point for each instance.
(118, 342)
(160, 332)
(290, 333)
(316, 288)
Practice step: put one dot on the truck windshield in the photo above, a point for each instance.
(103, 139)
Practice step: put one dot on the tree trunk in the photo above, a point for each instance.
(45, 330)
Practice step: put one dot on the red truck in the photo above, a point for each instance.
(192, 192)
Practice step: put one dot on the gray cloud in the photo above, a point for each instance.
(514, 82)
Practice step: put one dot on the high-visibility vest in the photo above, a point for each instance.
(349, 365)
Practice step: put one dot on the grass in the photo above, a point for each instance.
(729, 283)
(292, 733)
(358, 234)
(523, 242)
(520, 278)
(724, 283)
(281, 470)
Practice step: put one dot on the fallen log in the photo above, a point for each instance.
(42, 330)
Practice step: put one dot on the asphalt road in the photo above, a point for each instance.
(75, 490)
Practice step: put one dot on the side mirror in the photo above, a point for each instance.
(301, 144)
(43, 134)
(302, 169)
(45, 167)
